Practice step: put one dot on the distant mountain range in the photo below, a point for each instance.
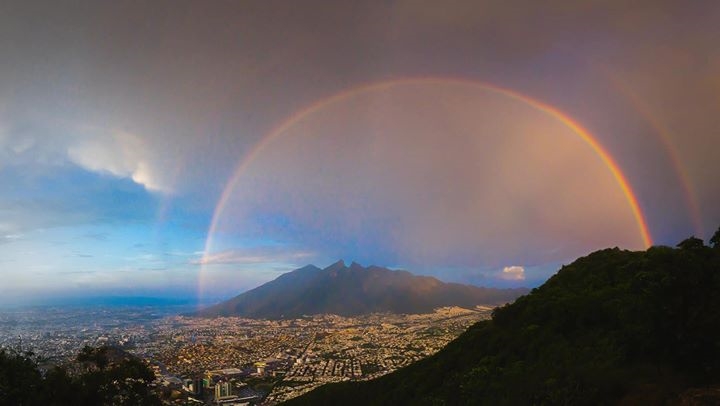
(354, 290)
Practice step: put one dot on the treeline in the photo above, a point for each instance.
(612, 327)
(105, 376)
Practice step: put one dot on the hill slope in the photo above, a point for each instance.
(613, 327)
(352, 290)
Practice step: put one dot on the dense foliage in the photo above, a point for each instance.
(613, 327)
(106, 377)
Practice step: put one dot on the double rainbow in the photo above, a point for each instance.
(308, 111)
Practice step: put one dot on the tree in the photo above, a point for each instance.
(20, 379)
(122, 382)
(691, 243)
(96, 357)
(715, 239)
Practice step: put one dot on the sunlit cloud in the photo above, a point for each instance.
(120, 154)
(513, 273)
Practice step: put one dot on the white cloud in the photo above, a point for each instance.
(256, 255)
(7, 238)
(120, 154)
(156, 162)
(23, 145)
(513, 273)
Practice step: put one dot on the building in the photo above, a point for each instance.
(223, 390)
(197, 386)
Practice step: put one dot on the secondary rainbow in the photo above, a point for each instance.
(306, 112)
(665, 135)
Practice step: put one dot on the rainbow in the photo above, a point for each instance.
(665, 136)
(308, 111)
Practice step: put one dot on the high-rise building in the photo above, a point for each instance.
(197, 386)
(223, 389)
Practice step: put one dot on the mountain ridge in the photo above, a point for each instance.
(353, 290)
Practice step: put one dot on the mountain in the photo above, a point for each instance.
(353, 290)
(615, 327)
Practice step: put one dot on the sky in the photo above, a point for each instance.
(198, 149)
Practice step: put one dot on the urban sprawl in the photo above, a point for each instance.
(235, 361)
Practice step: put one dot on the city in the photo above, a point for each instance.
(400, 202)
(232, 360)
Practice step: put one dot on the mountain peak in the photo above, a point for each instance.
(310, 267)
(336, 266)
(352, 291)
(355, 265)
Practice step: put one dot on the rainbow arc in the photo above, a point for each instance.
(282, 128)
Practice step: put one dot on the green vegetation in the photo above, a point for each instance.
(370, 368)
(613, 327)
(262, 383)
(290, 383)
(108, 377)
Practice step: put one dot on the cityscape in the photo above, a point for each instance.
(396, 202)
(233, 360)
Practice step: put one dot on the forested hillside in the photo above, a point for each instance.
(612, 327)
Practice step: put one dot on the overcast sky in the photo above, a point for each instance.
(122, 124)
